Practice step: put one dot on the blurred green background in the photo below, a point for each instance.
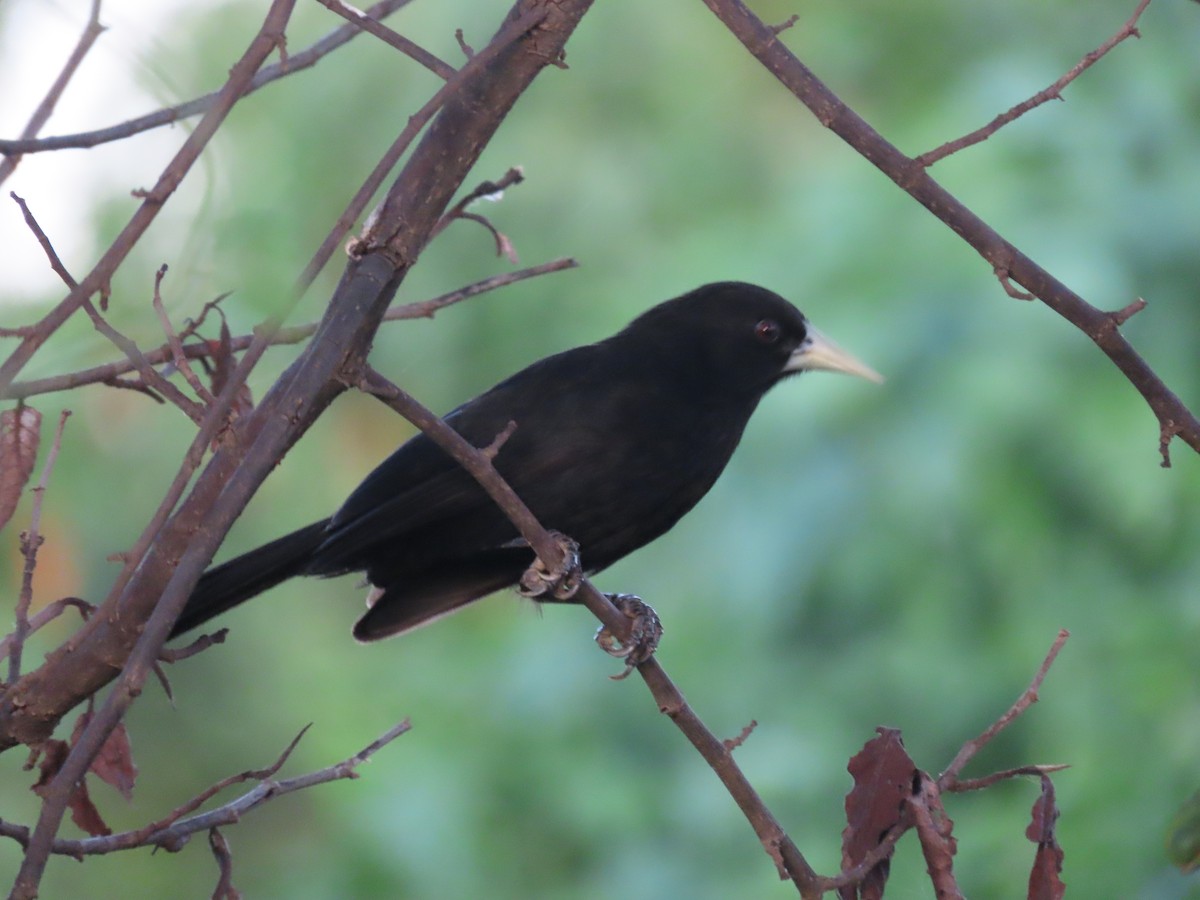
(898, 556)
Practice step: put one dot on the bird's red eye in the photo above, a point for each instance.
(768, 331)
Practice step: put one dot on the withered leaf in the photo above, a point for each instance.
(54, 753)
(84, 812)
(1044, 880)
(114, 763)
(20, 432)
(883, 776)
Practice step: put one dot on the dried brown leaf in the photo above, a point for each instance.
(20, 430)
(84, 812)
(1044, 880)
(883, 775)
(506, 248)
(54, 753)
(114, 763)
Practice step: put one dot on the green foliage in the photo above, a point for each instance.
(900, 555)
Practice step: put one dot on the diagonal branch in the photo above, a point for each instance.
(515, 28)
(370, 24)
(296, 62)
(91, 31)
(948, 779)
(1174, 418)
(719, 755)
(1053, 92)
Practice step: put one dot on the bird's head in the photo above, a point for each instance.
(743, 336)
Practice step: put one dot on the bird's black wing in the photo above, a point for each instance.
(420, 508)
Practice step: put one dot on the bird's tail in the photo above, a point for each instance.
(236, 581)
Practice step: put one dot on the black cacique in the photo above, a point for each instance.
(614, 442)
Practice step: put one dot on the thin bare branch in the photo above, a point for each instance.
(172, 831)
(296, 62)
(513, 176)
(978, 784)
(91, 31)
(372, 26)
(509, 35)
(200, 644)
(1053, 92)
(151, 379)
(1027, 699)
(293, 334)
(882, 851)
(46, 615)
(734, 742)
(1127, 312)
(31, 540)
(31, 222)
(173, 343)
(220, 850)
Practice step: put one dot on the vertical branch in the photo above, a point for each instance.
(31, 540)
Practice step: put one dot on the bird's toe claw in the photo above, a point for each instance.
(543, 582)
(645, 631)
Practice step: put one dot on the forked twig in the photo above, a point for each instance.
(1053, 92)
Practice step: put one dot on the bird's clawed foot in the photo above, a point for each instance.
(645, 631)
(543, 582)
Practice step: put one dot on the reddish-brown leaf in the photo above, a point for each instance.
(84, 812)
(114, 763)
(54, 753)
(883, 776)
(20, 430)
(1044, 880)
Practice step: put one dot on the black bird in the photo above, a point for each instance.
(614, 442)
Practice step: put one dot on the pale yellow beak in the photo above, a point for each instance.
(819, 353)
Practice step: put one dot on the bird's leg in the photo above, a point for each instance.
(645, 631)
(543, 582)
